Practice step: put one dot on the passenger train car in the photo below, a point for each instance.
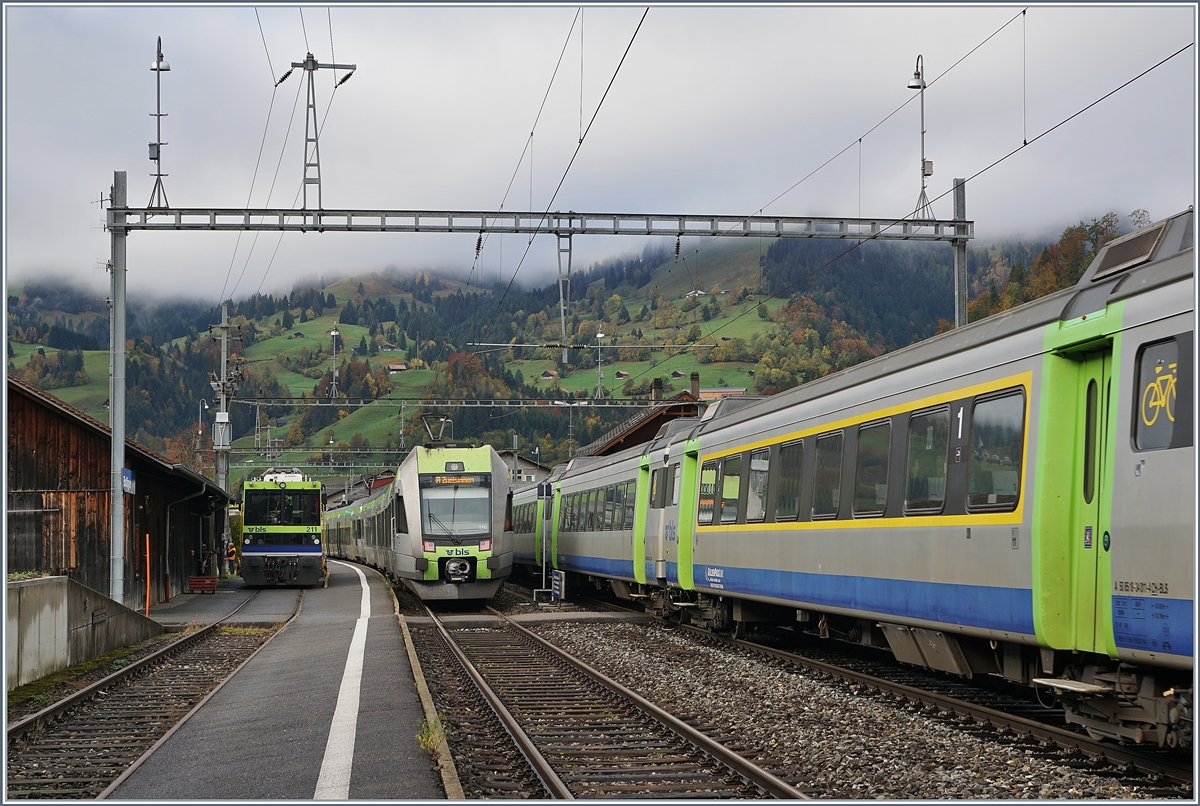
(281, 529)
(438, 527)
(1014, 498)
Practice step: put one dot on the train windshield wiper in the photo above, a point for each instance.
(434, 519)
(453, 508)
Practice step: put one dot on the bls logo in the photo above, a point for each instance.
(458, 552)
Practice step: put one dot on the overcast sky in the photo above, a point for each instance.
(716, 110)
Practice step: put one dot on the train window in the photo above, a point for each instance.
(731, 486)
(630, 493)
(871, 468)
(756, 485)
(656, 485)
(597, 510)
(994, 466)
(708, 492)
(827, 476)
(1089, 443)
(928, 443)
(1157, 368)
(787, 496)
(675, 474)
(619, 507)
(668, 491)
(610, 500)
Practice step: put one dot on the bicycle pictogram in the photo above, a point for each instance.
(1159, 395)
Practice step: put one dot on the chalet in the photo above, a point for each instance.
(696, 293)
(676, 374)
(722, 391)
(394, 368)
(549, 374)
(522, 469)
(622, 375)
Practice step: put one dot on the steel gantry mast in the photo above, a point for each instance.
(312, 127)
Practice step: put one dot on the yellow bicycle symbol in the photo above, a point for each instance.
(1159, 394)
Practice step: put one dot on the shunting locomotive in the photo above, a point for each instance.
(281, 529)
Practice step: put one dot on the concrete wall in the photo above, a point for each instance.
(55, 622)
(37, 629)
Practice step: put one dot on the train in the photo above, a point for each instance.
(282, 529)
(1015, 497)
(439, 526)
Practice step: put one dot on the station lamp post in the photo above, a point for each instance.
(917, 82)
(599, 369)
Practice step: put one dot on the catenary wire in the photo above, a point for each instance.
(528, 147)
(546, 212)
(972, 177)
(886, 118)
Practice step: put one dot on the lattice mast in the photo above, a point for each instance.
(312, 128)
(158, 196)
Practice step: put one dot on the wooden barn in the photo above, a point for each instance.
(58, 503)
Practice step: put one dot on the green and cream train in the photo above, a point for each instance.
(1012, 498)
(439, 527)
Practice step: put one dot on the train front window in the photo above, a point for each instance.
(455, 506)
(283, 507)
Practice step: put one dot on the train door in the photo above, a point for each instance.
(656, 549)
(641, 508)
(1092, 488)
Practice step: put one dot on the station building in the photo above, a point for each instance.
(59, 493)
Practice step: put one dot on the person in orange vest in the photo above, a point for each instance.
(231, 558)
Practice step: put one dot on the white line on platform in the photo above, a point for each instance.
(334, 781)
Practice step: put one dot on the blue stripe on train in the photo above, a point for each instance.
(601, 566)
(310, 549)
(1151, 624)
(1007, 609)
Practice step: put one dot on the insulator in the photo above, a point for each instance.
(676, 247)
(479, 245)
(345, 78)
(284, 77)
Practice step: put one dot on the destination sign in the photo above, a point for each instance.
(456, 480)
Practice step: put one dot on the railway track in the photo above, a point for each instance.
(85, 744)
(1000, 714)
(582, 735)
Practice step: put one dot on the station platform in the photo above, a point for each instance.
(327, 709)
(202, 609)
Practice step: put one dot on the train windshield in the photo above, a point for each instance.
(282, 507)
(455, 506)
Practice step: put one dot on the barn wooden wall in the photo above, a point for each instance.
(59, 497)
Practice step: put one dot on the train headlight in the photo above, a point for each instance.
(485, 545)
(430, 545)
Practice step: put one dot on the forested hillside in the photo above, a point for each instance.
(771, 317)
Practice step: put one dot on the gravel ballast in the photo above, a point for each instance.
(851, 743)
